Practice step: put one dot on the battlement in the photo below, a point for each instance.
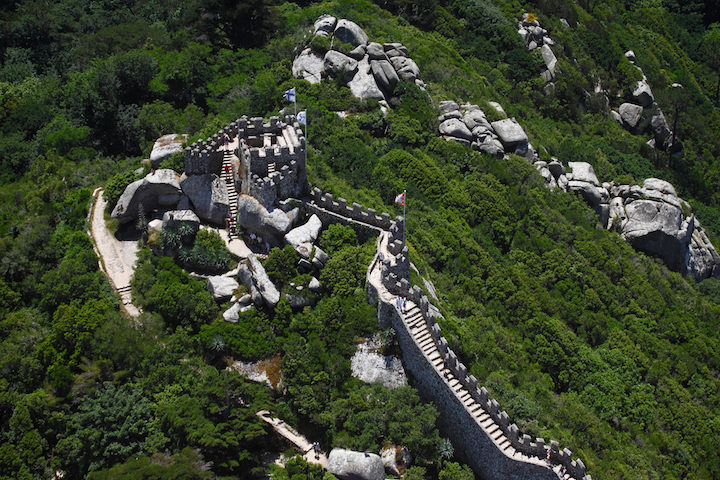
(355, 212)
(272, 157)
(393, 279)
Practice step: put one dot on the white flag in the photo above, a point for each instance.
(290, 95)
(302, 117)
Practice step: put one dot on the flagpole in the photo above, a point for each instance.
(404, 217)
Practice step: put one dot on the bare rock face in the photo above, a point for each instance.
(165, 146)
(253, 217)
(173, 218)
(510, 133)
(549, 58)
(631, 114)
(267, 289)
(306, 233)
(385, 75)
(308, 65)
(405, 67)
(654, 220)
(158, 189)
(660, 128)
(363, 84)
(335, 62)
(395, 50)
(325, 25)
(349, 465)
(476, 118)
(208, 195)
(642, 93)
(221, 287)
(376, 51)
(454, 127)
(350, 32)
(702, 259)
(583, 172)
(448, 106)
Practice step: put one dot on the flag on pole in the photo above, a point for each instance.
(400, 199)
(290, 95)
(302, 117)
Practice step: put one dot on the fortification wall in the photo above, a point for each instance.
(472, 444)
(354, 212)
(475, 447)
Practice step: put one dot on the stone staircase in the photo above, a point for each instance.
(271, 169)
(227, 176)
(125, 294)
(419, 330)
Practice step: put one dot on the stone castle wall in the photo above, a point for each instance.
(473, 445)
(272, 157)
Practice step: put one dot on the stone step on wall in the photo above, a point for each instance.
(418, 328)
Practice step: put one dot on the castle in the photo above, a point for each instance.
(268, 161)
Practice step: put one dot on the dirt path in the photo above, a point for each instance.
(117, 257)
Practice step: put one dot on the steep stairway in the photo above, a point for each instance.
(420, 332)
(227, 176)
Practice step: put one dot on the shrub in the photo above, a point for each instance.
(209, 254)
(116, 186)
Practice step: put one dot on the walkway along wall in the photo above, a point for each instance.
(508, 455)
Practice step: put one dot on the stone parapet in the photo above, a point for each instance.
(355, 212)
(399, 285)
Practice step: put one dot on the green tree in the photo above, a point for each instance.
(711, 51)
(454, 471)
(108, 427)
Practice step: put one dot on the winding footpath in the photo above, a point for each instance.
(117, 257)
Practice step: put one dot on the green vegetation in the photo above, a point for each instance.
(579, 337)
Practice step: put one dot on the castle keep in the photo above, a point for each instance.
(269, 162)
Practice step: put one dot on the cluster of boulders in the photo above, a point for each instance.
(372, 70)
(262, 291)
(206, 195)
(534, 37)
(651, 217)
(350, 465)
(643, 113)
(468, 125)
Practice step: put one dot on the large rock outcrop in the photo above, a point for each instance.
(209, 196)
(165, 146)
(349, 465)
(651, 217)
(309, 66)
(254, 217)
(160, 188)
(173, 219)
(630, 114)
(267, 289)
(372, 70)
(469, 126)
(221, 287)
(306, 233)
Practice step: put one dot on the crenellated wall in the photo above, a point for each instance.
(272, 157)
(473, 445)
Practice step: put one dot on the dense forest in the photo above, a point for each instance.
(579, 337)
